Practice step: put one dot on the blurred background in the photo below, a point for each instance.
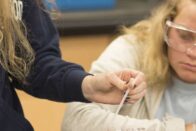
(86, 28)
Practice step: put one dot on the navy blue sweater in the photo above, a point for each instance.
(51, 77)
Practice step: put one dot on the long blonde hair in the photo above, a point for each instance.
(153, 60)
(16, 54)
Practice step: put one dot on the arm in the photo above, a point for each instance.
(55, 79)
(51, 77)
(94, 117)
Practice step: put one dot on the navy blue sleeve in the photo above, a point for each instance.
(51, 77)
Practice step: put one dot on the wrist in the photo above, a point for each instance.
(87, 87)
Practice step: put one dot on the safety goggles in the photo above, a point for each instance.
(179, 37)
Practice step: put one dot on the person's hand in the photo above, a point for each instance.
(109, 88)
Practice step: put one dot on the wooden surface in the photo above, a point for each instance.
(45, 115)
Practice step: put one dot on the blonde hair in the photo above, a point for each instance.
(16, 54)
(153, 61)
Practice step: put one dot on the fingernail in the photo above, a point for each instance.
(134, 86)
(128, 97)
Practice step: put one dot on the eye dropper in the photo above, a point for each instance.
(124, 98)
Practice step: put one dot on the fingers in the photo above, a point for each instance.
(134, 98)
(139, 78)
(136, 74)
(117, 81)
(137, 83)
(135, 80)
(138, 95)
(125, 76)
(138, 88)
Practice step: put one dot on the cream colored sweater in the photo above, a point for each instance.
(137, 117)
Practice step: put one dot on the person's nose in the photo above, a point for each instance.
(192, 51)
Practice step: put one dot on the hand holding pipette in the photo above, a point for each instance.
(136, 89)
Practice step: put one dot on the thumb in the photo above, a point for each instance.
(117, 82)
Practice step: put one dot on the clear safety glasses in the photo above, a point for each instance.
(180, 37)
